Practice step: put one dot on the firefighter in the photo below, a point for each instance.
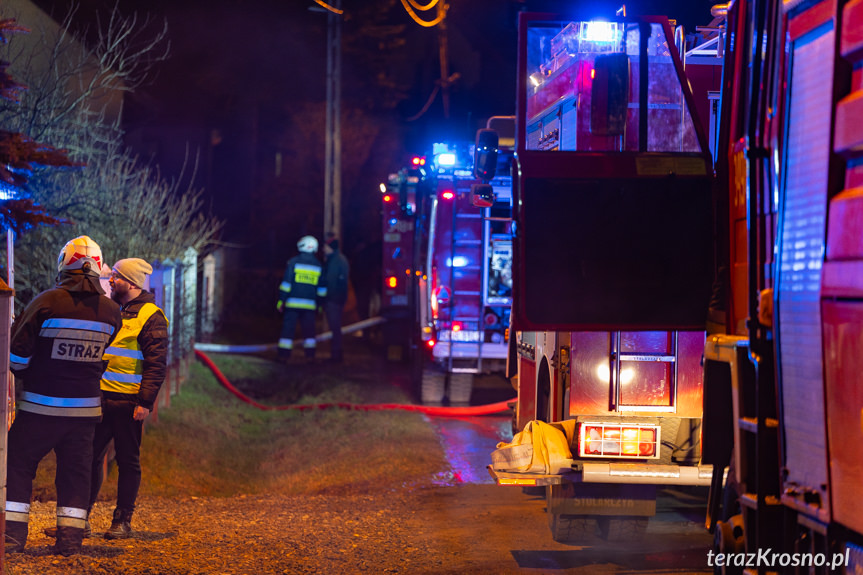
(56, 351)
(137, 365)
(299, 293)
(336, 270)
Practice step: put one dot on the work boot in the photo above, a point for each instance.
(70, 540)
(52, 531)
(121, 525)
(16, 536)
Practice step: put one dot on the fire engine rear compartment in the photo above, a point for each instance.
(613, 266)
(610, 252)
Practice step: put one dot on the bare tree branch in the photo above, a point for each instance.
(73, 100)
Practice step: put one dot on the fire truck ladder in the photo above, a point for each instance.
(755, 458)
(467, 361)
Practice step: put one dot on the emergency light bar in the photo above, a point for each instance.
(605, 439)
(599, 32)
(447, 159)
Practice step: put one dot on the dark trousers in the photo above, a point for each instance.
(333, 311)
(117, 424)
(306, 317)
(31, 438)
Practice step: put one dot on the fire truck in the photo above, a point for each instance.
(784, 378)
(613, 266)
(398, 218)
(448, 264)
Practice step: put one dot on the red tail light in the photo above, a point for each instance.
(392, 282)
(448, 195)
(619, 441)
(388, 198)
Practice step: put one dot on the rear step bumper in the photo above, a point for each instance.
(626, 473)
(467, 350)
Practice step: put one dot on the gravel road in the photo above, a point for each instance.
(458, 529)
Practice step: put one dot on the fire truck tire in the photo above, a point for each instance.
(573, 528)
(433, 386)
(623, 528)
(728, 538)
(460, 387)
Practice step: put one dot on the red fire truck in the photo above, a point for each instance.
(398, 217)
(784, 382)
(453, 275)
(614, 267)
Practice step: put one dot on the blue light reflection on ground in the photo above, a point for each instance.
(468, 443)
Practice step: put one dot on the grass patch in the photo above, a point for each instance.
(211, 443)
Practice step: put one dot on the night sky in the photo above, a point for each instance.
(244, 89)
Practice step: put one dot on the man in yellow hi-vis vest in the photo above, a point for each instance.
(137, 364)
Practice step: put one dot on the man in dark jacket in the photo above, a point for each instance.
(137, 364)
(336, 272)
(299, 292)
(56, 352)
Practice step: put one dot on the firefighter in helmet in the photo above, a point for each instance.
(299, 293)
(56, 353)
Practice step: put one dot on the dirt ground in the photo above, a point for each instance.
(409, 523)
(482, 529)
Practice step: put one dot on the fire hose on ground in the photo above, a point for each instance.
(200, 348)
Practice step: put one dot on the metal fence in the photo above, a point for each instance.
(175, 285)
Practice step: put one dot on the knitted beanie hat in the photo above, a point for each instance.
(134, 271)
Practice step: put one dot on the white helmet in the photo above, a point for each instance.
(82, 253)
(308, 244)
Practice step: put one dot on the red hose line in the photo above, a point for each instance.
(428, 410)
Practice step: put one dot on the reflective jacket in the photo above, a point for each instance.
(303, 283)
(138, 358)
(57, 346)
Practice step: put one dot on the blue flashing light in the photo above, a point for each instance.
(599, 32)
(457, 262)
(393, 221)
(8, 191)
(447, 159)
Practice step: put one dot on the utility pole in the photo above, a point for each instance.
(333, 143)
(444, 57)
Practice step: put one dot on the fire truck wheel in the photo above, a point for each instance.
(573, 528)
(623, 528)
(433, 385)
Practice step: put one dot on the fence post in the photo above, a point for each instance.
(162, 287)
(189, 294)
(6, 294)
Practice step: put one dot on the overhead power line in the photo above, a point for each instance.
(331, 8)
(428, 6)
(425, 23)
